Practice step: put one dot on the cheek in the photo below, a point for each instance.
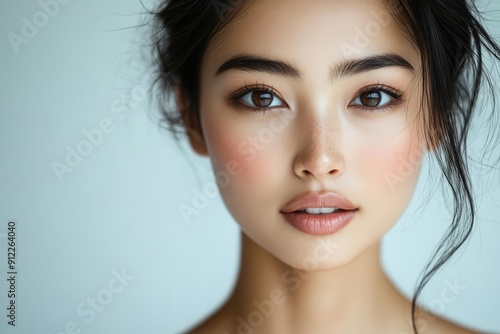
(390, 159)
(243, 160)
(390, 172)
(392, 165)
(384, 173)
(249, 169)
(401, 166)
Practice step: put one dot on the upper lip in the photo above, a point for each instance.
(318, 200)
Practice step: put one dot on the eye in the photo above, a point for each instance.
(256, 98)
(377, 97)
(260, 99)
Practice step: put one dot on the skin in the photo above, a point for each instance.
(315, 139)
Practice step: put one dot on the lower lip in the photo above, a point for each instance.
(320, 224)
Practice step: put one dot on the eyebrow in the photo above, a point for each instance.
(345, 68)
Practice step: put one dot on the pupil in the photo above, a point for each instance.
(262, 99)
(370, 99)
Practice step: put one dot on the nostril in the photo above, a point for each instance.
(315, 164)
(318, 173)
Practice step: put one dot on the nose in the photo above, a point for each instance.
(318, 154)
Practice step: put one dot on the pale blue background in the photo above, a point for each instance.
(118, 209)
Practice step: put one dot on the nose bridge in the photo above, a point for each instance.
(318, 151)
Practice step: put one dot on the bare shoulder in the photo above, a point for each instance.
(219, 322)
(212, 325)
(430, 324)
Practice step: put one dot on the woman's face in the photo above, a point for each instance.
(345, 120)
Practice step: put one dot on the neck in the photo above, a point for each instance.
(272, 297)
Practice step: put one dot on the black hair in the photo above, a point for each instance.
(452, 41)
(181, 33)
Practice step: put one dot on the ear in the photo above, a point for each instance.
(191, 123)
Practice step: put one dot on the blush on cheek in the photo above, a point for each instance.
(402, 164)
(255, 151)
(237, 161)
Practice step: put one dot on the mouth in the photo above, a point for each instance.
(317, 203)
(319, 214)
(319, 211)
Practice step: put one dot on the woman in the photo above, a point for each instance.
(316, 116)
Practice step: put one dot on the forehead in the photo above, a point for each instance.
(311, 32)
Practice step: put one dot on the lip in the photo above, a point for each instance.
(318, 200)
(319, 224)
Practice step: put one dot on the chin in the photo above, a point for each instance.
(316, 253)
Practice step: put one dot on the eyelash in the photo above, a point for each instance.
(235, 97)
